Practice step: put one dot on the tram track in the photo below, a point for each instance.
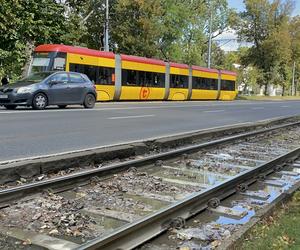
(138, 199)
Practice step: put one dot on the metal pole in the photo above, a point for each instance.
(106, 45)
(210, 38)
(293, 81)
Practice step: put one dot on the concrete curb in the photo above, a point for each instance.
(14, 170)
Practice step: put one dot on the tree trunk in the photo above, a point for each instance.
(245, 88)
(266, 89)
(28, 53)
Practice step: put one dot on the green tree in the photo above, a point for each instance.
(23, 24)
(167, 29)
(294, 30)
(265, 24)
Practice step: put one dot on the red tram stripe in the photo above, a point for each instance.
(74, 50)
(142, 60)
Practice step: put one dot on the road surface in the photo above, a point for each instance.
(27, 133)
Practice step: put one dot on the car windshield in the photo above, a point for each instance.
(35, 78)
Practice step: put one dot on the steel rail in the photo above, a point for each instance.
(132, 235)
(9, 194)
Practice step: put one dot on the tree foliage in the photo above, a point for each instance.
(174, 30)
(266, 25)
(25, 23)
(166, 29)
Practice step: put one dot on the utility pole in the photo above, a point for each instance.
(293, 81)
(210, 37)
(106, 31)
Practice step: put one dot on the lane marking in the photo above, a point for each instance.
(258, 108)
(213, 111)
(129, 117)
(284, 106)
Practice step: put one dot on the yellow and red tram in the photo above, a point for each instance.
(124, 77)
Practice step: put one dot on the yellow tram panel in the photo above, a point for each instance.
(154, 93)
(203, 94)
(105, 92)
(203, 74)
(179, 71)
(142, 93)
(228, 77)
(178, 94)
(143, 67)
(130, 93)
(91, 60)
(227, 95)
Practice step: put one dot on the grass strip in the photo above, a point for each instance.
(279, 231)
(268, 98)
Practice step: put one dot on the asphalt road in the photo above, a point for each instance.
(27, 133)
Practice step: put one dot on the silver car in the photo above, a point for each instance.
(42, 89)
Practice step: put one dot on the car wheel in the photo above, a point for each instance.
(89, 101)
(10, 107)
(39, 101)
(62, 106)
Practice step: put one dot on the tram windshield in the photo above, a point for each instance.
(47, 61)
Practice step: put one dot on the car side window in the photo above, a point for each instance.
(76, 78)
(60, 77)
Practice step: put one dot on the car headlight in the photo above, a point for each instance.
(24, 90)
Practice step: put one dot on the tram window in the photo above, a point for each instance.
(129, 77)
(151, 79)
(142, 78)
(197, 82)
(59, 61)
(105, 76)
(227, 85)
(90, 71)
(179, 81)
(148, 79)
(98, 75)
(213, 83)
(41, 62)
(205, 83)
(158, 80)
(210, 84)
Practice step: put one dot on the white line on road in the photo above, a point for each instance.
(284, 106)
(258, 108)
(213, 111)
(130, 117)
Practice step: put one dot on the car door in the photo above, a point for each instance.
(59, 88)
(77, 88)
